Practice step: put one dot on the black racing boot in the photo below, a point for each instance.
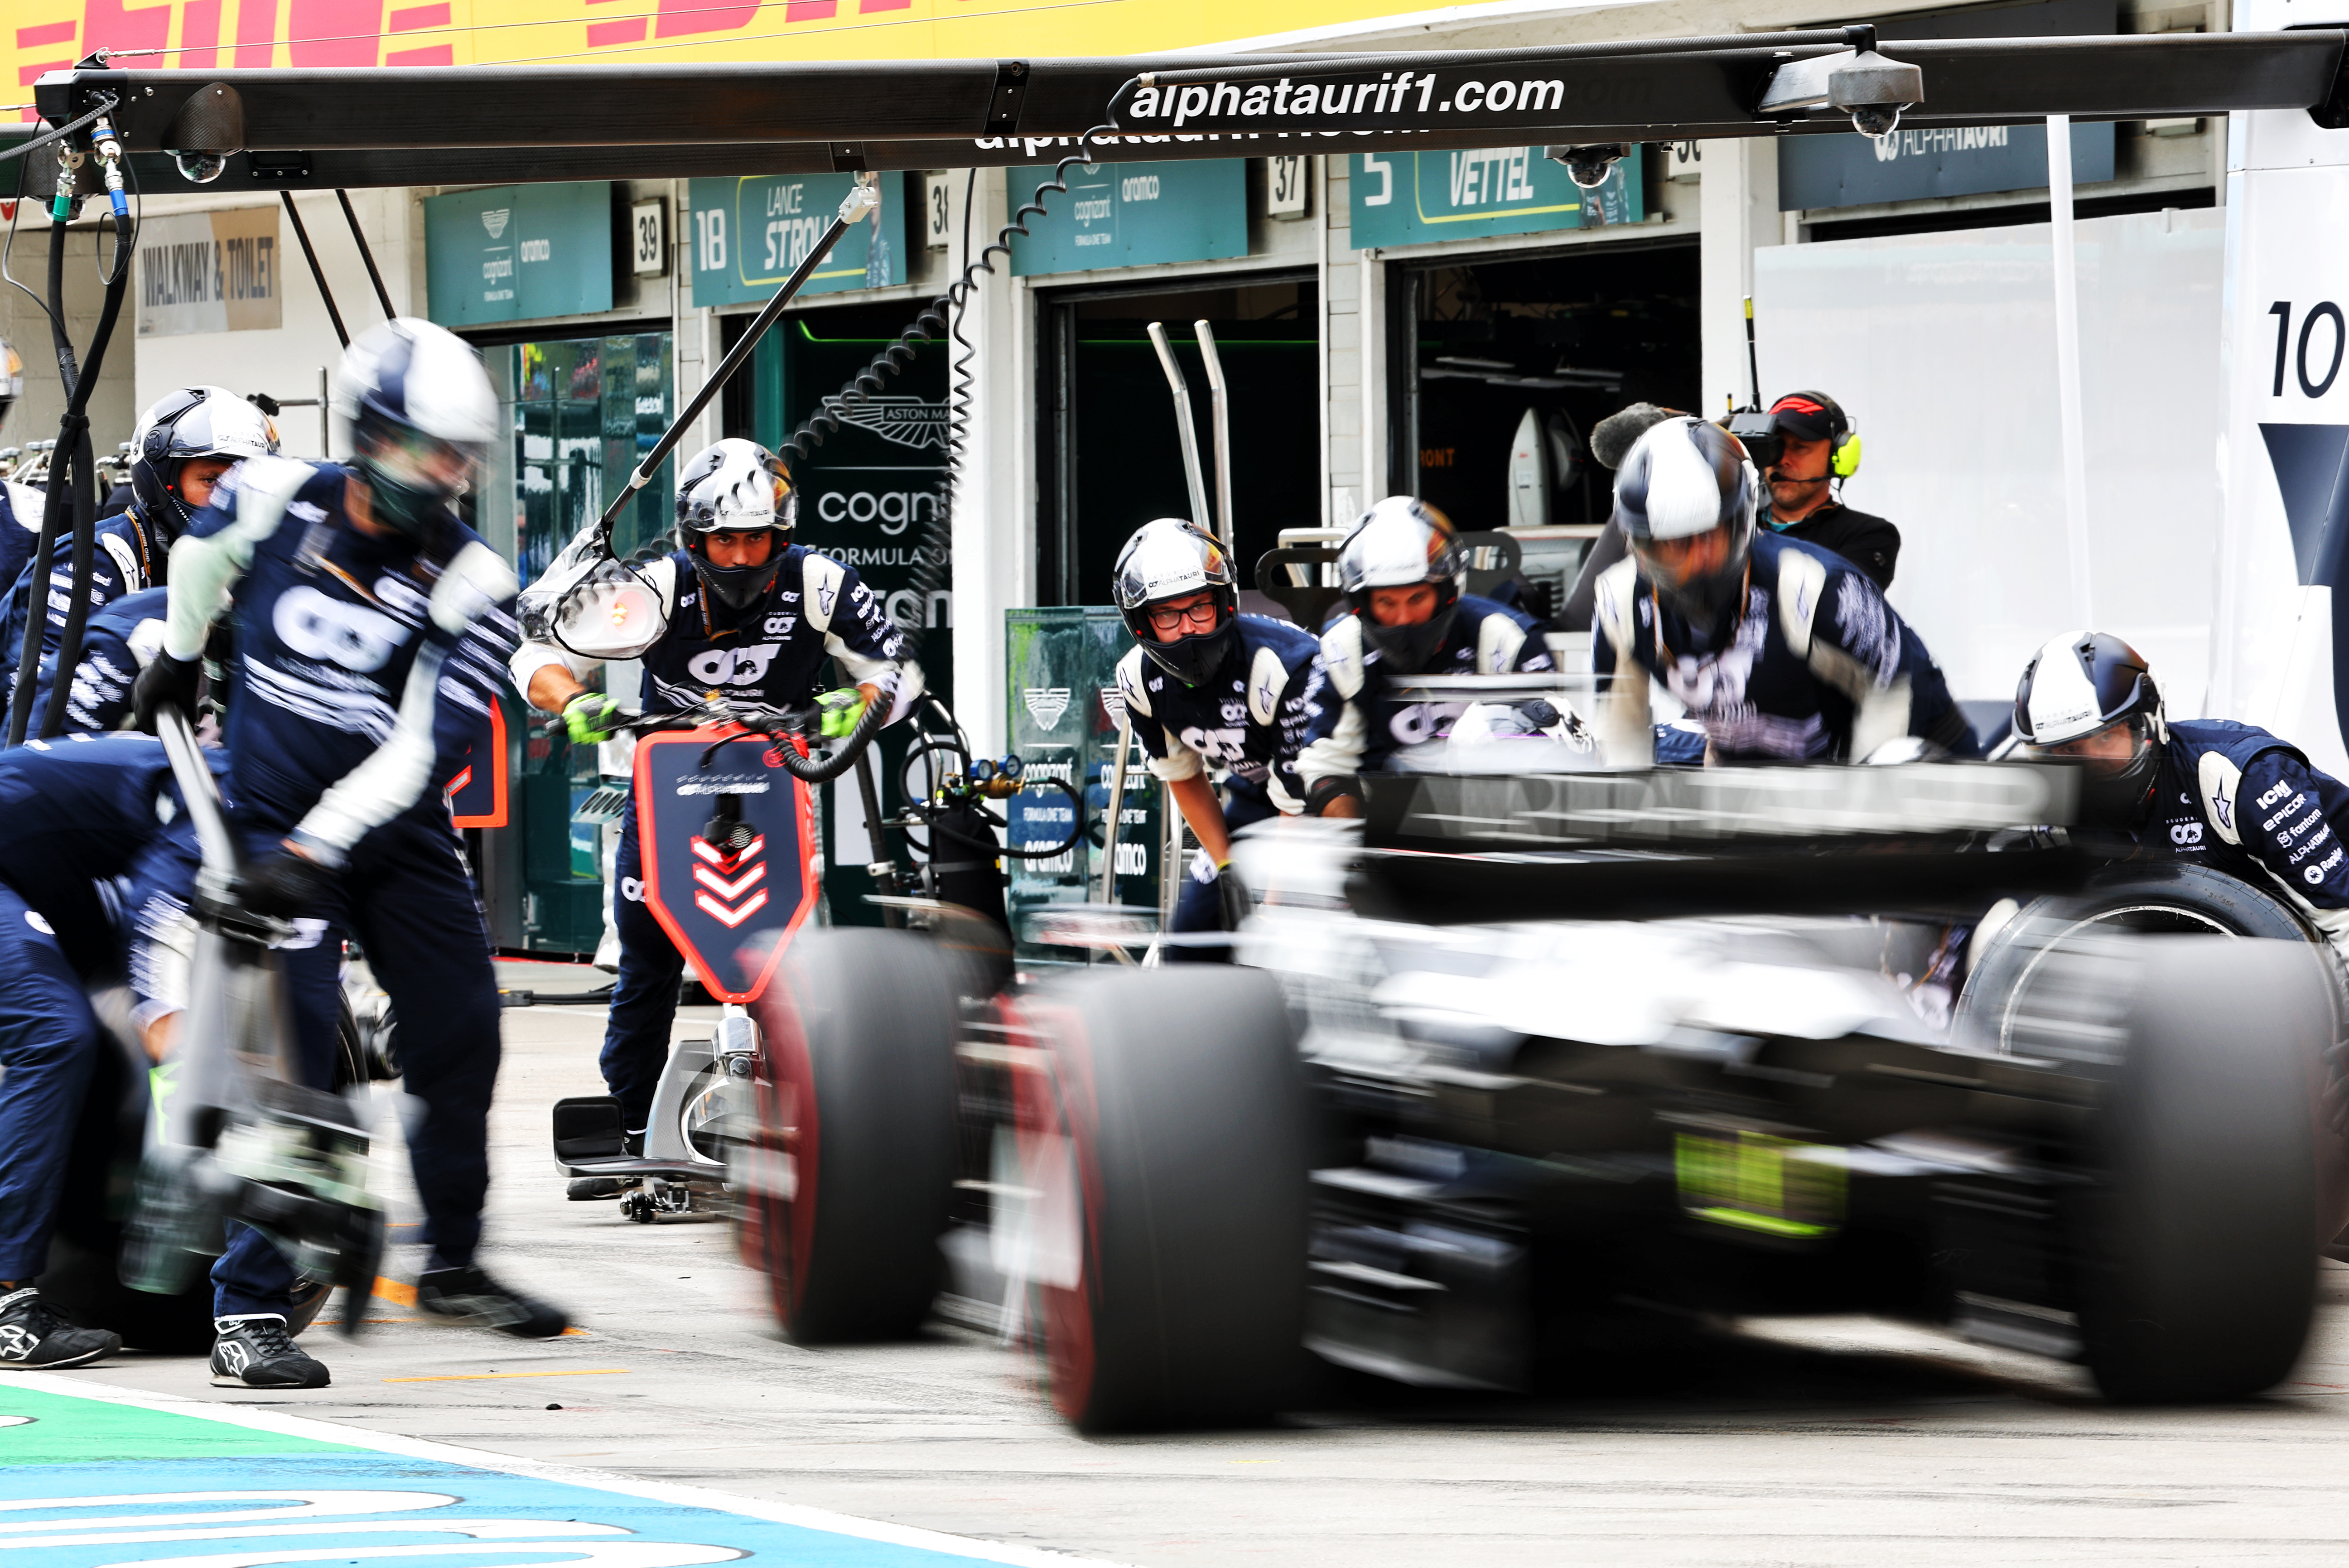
(470, 1298)
(257, 1353)
(586, 1188)
(33, 1335)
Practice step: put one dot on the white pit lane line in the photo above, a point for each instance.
(823, 1521)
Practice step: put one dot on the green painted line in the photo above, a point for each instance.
(58, 1429)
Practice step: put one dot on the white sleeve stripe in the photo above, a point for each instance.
(389, 781)
(203, 570)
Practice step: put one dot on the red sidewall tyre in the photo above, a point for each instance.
(1182, 1105)
(857, 1142)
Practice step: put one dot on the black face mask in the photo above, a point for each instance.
(738, 587)
(1408, 648)
(1707, 602)
(417, 511)
(1195, 660)
(2124, 799)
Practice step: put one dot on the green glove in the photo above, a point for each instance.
(842, 711)
(590, 716)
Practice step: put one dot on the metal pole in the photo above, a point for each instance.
(1183, 426)
(316, 272)
(382, 295)
(1220, 402)
(2067, 368)
(863, 197)
(1116, 804)
(326, 421)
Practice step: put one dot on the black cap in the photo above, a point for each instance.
(1808, 416)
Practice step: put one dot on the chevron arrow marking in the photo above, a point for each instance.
(728, 918)
(723, 887)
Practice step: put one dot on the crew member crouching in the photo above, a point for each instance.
(2231, 795)
(1779, 649)
(1402, 569)
(1210, 687)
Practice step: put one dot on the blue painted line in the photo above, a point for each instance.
(342, 1496)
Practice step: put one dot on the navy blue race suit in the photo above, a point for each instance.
(128, 557)
(115, 646)
(20, 530)
(1815, 665)
(93, 845)
(772, 652)
(1257, 715)
(2244, 801)
(364, 669)
(1373, 721)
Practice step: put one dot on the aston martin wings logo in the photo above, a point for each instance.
(494, 220)
(909, 422)
(1046, 704)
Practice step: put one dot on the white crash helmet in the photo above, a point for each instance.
(735, 486)
(1399, 542)
(2077, 687)
(191, 422)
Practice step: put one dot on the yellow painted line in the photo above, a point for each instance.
(337, 1323)
(483, 1376)
(394, 1291)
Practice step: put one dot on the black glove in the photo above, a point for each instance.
(1234, 894)
(165, 680)
(284, 885)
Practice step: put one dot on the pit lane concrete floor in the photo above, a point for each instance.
(1840, 1442)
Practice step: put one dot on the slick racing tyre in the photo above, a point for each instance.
(1167, 1144)
(2198, 1228)
(2176, 898)
(847, 1187)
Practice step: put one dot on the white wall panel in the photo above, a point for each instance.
(1942, 347)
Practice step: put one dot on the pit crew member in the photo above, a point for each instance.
(1209, 688)
(371, 628)
(87, 829)
(117, 643)
(185, 442)
(2231, 795)
(1779, 649)
(1402, 570)
(750, 614)
(1818, 451)
(20, 504)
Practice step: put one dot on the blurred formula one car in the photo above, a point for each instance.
(1540, 1040)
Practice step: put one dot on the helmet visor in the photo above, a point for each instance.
(1184, 617)
(2107, 752)
(442, 469)
(1672, 564)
